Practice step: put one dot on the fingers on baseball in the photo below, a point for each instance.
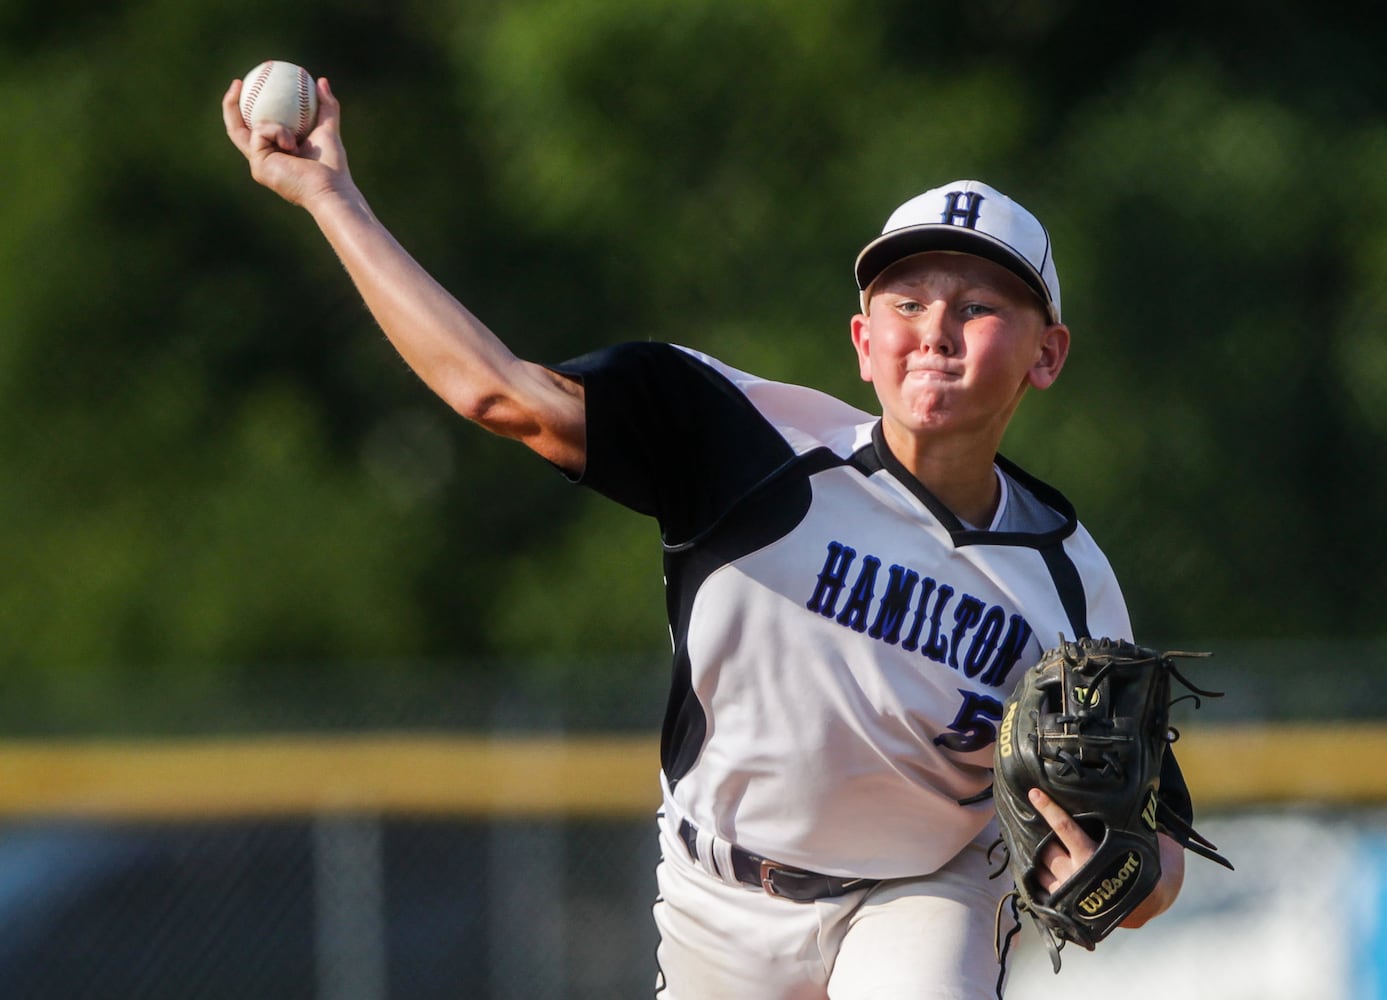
(328, 108)
(269, 137)
(329, 117)
(264, 137)
(231, 116)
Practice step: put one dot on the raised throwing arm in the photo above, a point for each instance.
(455, 354)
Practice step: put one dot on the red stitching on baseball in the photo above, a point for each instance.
(248, 106)
(305, 82)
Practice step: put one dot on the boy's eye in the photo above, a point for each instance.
(910, 306)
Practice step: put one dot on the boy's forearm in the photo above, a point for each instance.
(454, 352)
(438, 337)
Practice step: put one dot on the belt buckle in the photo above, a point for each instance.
(769, 870)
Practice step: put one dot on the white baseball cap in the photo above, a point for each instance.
(967, 217)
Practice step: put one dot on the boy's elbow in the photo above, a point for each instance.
(480, 408)
(499, 415)
(545, 413)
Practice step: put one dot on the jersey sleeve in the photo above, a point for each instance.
(670, 436)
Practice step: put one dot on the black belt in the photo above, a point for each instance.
(777, 879)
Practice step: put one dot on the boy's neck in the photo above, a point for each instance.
(962, 475)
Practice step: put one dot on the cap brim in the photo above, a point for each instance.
(899, 244)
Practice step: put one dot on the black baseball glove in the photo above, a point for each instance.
(1089, 725)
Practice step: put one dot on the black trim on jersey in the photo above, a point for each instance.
(1069, 585)
(879, 458)
(768, 511)
(678, 440)
(1047, 495)
(811, 462)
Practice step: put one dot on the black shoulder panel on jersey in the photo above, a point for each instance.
(671, 437)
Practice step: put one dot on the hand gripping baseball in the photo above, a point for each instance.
(298, 172)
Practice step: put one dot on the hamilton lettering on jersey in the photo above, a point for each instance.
(977, 639)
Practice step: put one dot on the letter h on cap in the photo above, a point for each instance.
(962, 208)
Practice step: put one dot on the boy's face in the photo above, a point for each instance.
(951, 342)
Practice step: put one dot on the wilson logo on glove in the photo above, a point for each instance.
(1109, 891)
(1148, 814)
(1086, 697)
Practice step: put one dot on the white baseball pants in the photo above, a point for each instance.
(929, 938)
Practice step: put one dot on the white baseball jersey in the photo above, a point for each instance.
(842, 642)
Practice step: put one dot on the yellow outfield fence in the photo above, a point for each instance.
(540, 776)
(555, 776)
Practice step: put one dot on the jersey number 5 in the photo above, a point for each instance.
(975, 726)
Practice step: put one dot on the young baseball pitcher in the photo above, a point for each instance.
(851, 596)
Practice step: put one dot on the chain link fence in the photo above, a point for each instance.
(331, 908)
(372, 908)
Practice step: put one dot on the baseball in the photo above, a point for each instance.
(282, 93)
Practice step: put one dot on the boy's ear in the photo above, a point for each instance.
(861, 342)
(1054, 349)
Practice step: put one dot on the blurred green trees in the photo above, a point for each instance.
(215, 468)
